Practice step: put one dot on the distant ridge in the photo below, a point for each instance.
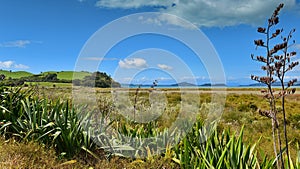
(217, 84)
(262, 85)
(61, 75)
(15, 75)
(183, 84)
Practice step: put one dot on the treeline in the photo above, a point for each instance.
(96, 79)
(50, 77)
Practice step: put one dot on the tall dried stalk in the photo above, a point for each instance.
(276, 64)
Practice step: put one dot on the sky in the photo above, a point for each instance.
(139, 41)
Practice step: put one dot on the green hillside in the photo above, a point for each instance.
(62, 75)
(15, 75)
(68, 75)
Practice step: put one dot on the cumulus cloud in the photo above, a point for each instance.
(6, 64)
(17, 43)
(133, 63)
(167, 19)
(127, 4)
(206, 12)
(11, 64)
(164, 67)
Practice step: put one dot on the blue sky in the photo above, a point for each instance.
(39, 36)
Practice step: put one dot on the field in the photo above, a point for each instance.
(15, 75)
(61, 75)
(238, 128)
(68, 75)
(49, 84)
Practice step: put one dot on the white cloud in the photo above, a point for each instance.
(125, 80)
(297, 46)
(291, 77)
(98, 58)
(164, 79)
(133, 63)
(21, 66)
(206, 12)
(164, 67)
(127, 4)
(193, 78)
(166, 19)
(11, 64)
(17, 43)
(6, 64)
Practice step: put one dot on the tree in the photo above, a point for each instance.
(2, 77)
(51, 77)
(276, 63)
(99, 79)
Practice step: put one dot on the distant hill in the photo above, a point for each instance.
(216, 85)
(82, 78)
(61, 75)
(274, 84)
(15, 75)
(183, 84)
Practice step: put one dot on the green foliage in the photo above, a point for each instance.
(97, 79)
(61, 75)
(70, 75)
(55, 123)
(216, 151)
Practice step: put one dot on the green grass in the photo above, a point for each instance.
(14, 154)
(62, 75)
(68, 75)
(49, 84)
(15, 75)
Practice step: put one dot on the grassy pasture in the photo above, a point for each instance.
(62, 75)
(49, 84)
(68, 75)
(15, 75)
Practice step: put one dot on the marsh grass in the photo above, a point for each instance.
(61, 131)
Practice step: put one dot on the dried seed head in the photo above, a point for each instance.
(264, 67)
(278, 65)
(263, 91)
(262, 59)
(265, 113)
(293, 53)
(277, 57)
(259, 42)
(293, 90)
(261, 30)
(265, 80)
(292, 65)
